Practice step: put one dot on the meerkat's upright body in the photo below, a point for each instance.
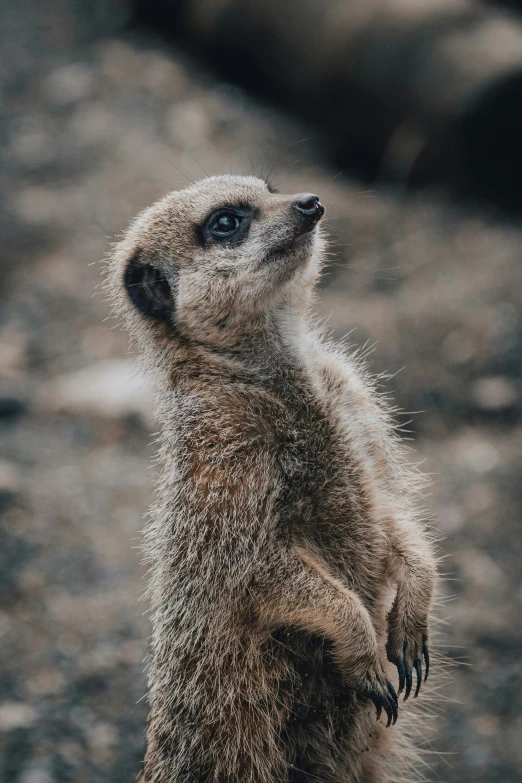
(285, 511)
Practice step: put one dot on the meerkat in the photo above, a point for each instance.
(286, 510)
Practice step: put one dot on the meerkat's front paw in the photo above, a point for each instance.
(406, 649)
(381, 692)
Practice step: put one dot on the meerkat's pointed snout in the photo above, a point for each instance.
(309, 210)
(309, 205)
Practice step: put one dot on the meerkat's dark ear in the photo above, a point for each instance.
(149, 289)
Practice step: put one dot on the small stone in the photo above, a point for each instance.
(33, 148)
(450, 518)
(486, 725)
(13, 354)
(188, 124)
(479, 497)
(16, 715)
(6, 624)
(37, 205)
(83, 718)
(109, 388)
(477, 454)
(459, 347)
(118, 62)
(68, 84)
(228, 102)
(46, 682)
(102, 735)
(10, 479)
(91, 124)
(100, 342)
(479, 569)
(162, 77)
(494, 394)
(35, 775)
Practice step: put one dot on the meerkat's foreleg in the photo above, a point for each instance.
(412, 569)
(311, 599)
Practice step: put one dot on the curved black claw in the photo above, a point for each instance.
(395, 701)
(387, 702)
(408, 671)
(402, 674)
(374, 696)
(393, 694)
(426, 654)
(418, 668)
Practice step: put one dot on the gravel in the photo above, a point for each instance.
(97, 128)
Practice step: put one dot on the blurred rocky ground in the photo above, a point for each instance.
(98, 122)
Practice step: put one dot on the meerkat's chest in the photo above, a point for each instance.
(326, 497)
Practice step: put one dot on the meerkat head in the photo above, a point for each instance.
(208, 262)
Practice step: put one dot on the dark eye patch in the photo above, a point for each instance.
(228, 224)
(149, 290)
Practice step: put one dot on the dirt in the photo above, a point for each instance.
(94, 130)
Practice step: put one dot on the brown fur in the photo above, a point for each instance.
(286, 512)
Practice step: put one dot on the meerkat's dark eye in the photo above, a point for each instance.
(229, 224)
(225, 224)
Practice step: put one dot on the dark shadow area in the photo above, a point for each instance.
(418, 99)
(489, 143)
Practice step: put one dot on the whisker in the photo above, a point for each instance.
(285, 149)
(367, 193)
(352, 268)
(287, 165)
(263, 165)
(335, 177)
(180, 171)
(199, 164)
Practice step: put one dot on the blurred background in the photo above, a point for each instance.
(405, 116)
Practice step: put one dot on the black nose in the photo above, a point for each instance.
(309, 206)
